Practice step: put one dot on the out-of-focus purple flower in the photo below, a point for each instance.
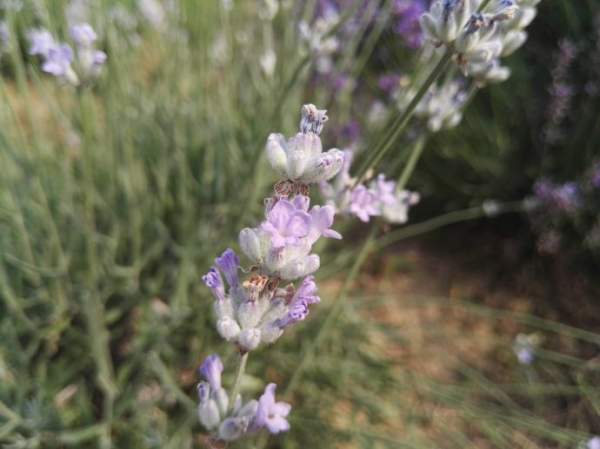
(567, 196)
(595, 177)
(286, 223)
(389, 83)
(406, 15)
(83, 35)
(363, 203)
(58, 61)
(213, 280)
(524, 348)
(525, 356)
(351, 131)
(211, 370)
(271, 414)
(564, 197)
(384, 190)
(543, 190)
(229, 263)
(41, 41)
(561, 92)
(593, 443)
(4, 34)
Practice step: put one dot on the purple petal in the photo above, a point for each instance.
(211, 370)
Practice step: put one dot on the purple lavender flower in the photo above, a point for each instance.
(271, 414)
(213, 280)
(228, 263)
(211, 370)
(384, 190)
(525, 356)
(363, 203)
(286, 223)
(321, 221)
(406, 14)
(595, 177)
(58, 61)
(566, 197)
(351, 131)
(83, 35)
(543, 190)
(41, 42)
(298, 308)
(389, 83)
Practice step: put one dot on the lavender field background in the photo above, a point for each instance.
(468, 318)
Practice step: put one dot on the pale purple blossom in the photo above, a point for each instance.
(272, 414)
(41, 41)
(229, 263)
(58, 61)
(83, 35)
(305, 295)
(389, 83)
(406, 14)
(4, 35)
(363, 203)
(214, 282)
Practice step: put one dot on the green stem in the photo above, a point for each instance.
(238, 380)
(444, 220)
(309, 352)
(400, 123)
(411, 164)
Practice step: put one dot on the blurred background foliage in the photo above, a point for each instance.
(115, 197)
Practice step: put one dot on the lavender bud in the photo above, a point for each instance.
(300, 267)
(249, 339)
(208, 412)
(228, 328)
(251, 245)
(313, 119)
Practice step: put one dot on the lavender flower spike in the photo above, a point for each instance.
(271, 414)
(228, 263)
(211, 370)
